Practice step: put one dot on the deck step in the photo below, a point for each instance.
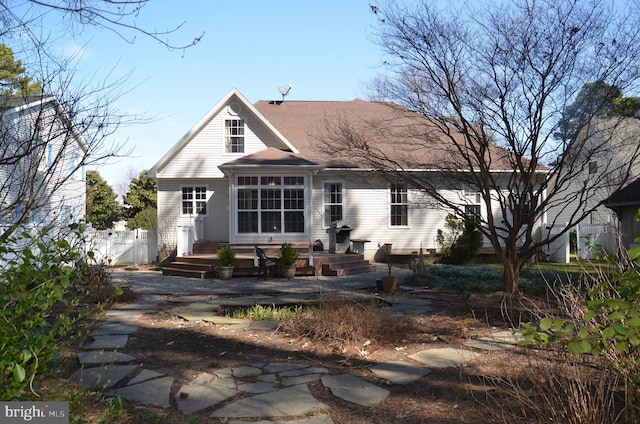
(191, 273)
(347, 268)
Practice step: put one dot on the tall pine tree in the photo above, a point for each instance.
(13, 80)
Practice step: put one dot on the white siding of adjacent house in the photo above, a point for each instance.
(61, 202)
(615, 140)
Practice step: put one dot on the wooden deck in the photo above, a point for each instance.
(203, 262)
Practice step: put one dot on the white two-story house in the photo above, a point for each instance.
(41, 167)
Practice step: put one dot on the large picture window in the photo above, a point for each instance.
(194, 200)
(332, 202)
(399, 205)
(234, 135)
(271, 204)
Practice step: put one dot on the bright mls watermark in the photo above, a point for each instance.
(34, 412)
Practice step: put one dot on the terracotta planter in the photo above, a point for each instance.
(389, 283)
(288, 271)
(225, 272)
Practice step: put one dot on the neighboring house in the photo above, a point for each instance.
(41, 174)
(253, 173)
(626, 203)
(604, 159)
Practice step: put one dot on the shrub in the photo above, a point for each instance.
(603, 321)
(146, 219)
(39, 295)
(461, 243)
(226, 256)
(288, 254)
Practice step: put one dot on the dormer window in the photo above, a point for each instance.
(234, 136)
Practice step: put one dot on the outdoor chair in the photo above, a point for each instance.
(266, 264)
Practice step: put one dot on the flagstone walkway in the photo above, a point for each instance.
(270, 391)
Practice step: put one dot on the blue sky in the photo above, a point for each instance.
(324, 49)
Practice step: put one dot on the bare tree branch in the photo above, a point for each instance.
(492, 84)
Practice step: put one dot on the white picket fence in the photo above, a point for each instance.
(123, 247)
(592, 240)
(595, 239)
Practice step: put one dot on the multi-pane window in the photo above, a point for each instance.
(332, 203)
(270, 204)
(399, 205)
(234, 135)
(194, 200)
(472, 209)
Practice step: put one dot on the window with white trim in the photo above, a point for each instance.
(333, 202)
(270, 204)
(399, 213)
(472, 209)
(194, 200)
(234, 135)
(74, 163)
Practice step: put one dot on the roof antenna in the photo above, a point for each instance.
(285, 90)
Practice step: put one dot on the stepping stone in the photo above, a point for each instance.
(291, 402)
(488, 345)
(277, 367)
(100, 357)
(114, 328)
(152, 392)
(206, 378)
(259, 387)
(300, 379)
(318, 419)
(113, 342)
(102, 377)
(303, 371)
(122, 318)
(399, 372)
(504, 336)
(246, 371)
(145, 375)
(354, 390)
(143, 306)
(444, 358)
(203, 394)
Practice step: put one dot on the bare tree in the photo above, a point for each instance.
(491, 83)
(75, 116)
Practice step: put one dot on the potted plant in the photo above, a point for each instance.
(389, 282)
(226, 257)
(288, 257)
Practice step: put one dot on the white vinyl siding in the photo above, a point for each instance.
(206, 150)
